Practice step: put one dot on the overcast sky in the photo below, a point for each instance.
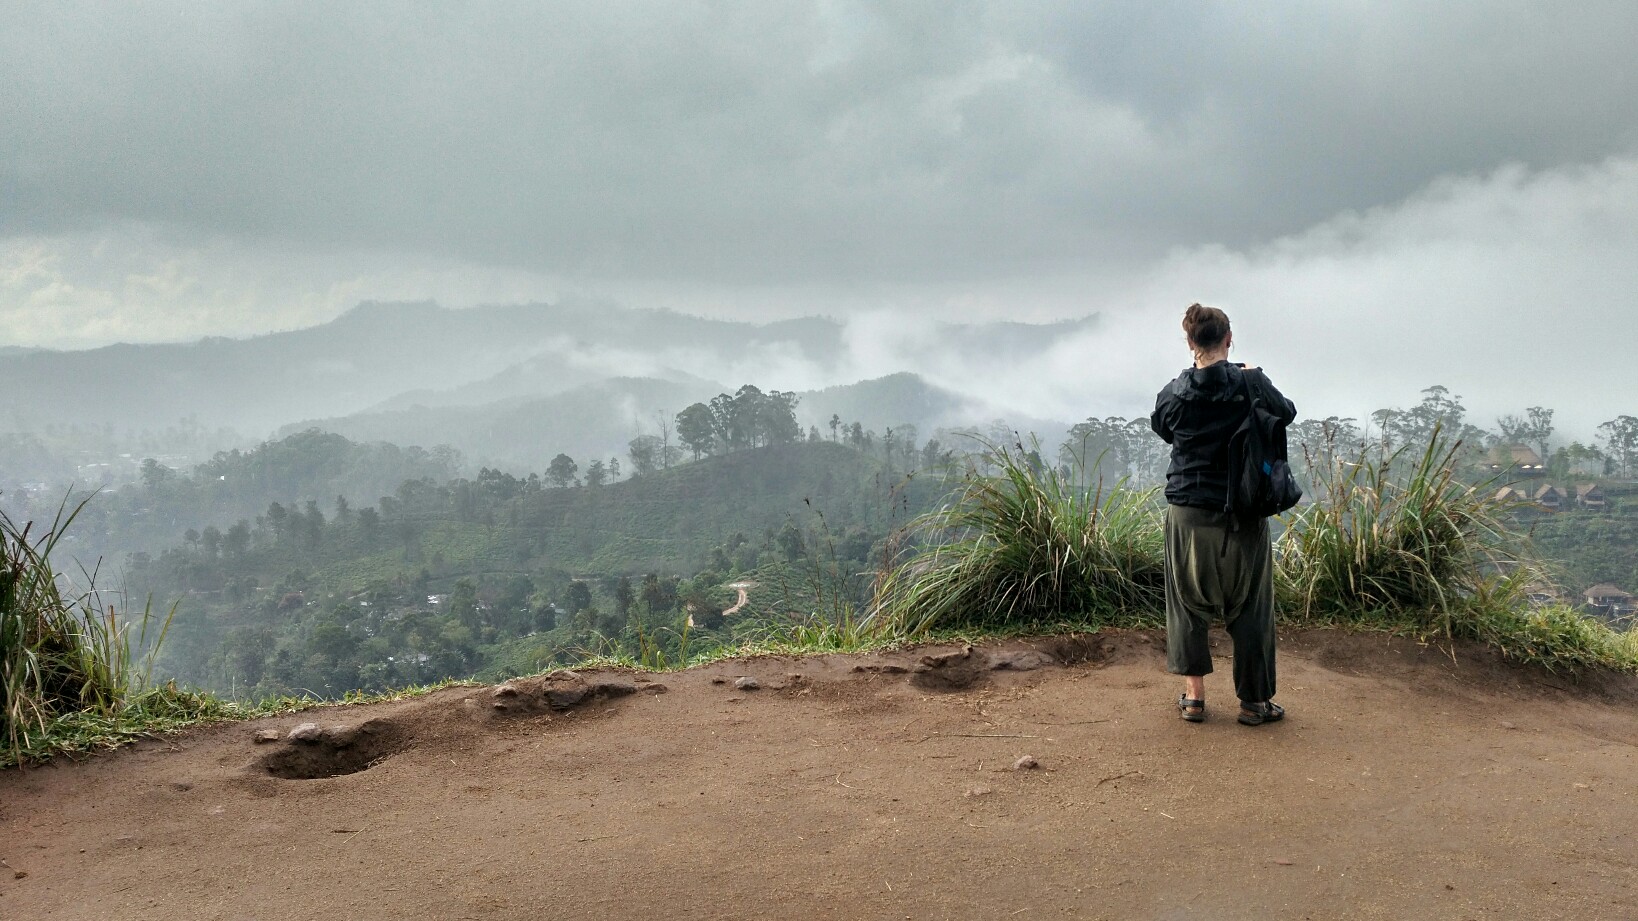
(1383, 195)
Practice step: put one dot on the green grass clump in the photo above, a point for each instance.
(1028, 546)
(73, 673)
(1389, 543)
(1555, 637)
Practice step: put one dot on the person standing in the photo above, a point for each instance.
(1218, 565)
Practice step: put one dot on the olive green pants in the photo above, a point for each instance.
(1216, 573)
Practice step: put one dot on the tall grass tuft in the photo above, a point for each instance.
(1027, 546)
(67, 660)
(1400, 541)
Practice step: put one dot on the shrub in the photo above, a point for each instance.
(1396, 542)
(1027, 547)
(67, 660)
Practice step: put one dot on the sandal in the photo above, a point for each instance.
(1193, 709)
(1257, 714)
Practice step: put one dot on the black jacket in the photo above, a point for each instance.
(1196, 414)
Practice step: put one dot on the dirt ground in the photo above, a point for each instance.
(1402, 784)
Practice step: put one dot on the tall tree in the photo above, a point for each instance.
(596, 474)
(697, 428)
(463, 604)
(561, 470)
(578, 597)
(369, 525)
(1541, 428)
(776, 418)
(644, 452)
(666, 456)
(237, 540)
(1099, 449)
(1620, 438)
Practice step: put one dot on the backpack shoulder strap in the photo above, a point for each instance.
(1252, 393)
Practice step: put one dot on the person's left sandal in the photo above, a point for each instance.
(1257, 714)
(1186, 704)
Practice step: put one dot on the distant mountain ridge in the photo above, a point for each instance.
(497, 377)
(362, 358)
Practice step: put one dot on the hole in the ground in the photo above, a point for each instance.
(338, 750)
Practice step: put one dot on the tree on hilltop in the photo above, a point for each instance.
(696, 428)
(596, 473)
(1620, 438)
(561, 470)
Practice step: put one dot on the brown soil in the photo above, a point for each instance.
(1403, 784)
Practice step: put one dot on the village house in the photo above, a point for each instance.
(1550, 497)
(1515, 460)
(1609, 602)
(1542, 595)
(1589, 496)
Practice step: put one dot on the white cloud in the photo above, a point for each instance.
(1512, 288)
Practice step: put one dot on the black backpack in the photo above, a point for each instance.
(1260, 480)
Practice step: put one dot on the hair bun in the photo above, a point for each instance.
(1206, 327)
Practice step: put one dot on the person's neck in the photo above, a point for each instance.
(1207, 359)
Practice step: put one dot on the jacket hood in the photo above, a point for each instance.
(1217, 383)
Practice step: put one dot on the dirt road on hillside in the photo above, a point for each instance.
(1401, 785)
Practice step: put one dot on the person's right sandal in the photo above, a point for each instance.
(1259, 713)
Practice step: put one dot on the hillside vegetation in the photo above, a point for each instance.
(445, 579)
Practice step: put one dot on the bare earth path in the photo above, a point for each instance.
(1400, 786)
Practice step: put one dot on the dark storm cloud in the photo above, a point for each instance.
(783, 143)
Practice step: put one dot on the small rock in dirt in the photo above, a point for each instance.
(339, 736)
(655, 688)
(19, 874)
(306, 732)
(945, 660)
(979, 790)
(746, 683)
(613, 687)
(1284, 862)
(882, 668)
(264, 736)
(1025, 763)
(1023, 660)
(564, 698)
(505, 690)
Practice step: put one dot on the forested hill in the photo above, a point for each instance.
(668, 520)
(518, 548)
(164, 506)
